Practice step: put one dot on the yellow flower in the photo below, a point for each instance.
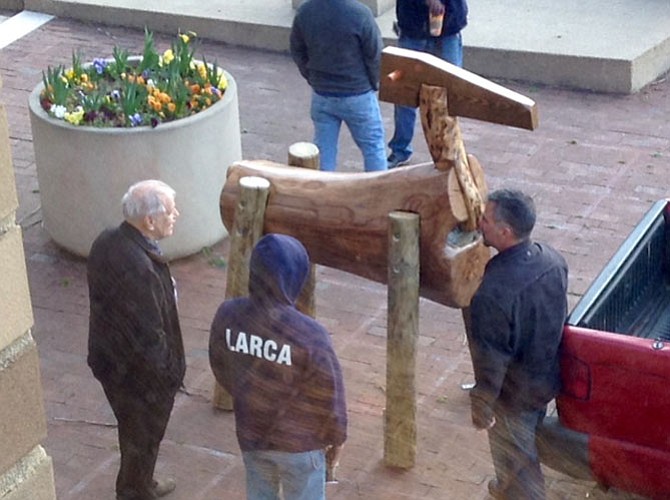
(223, 82)
(184, 38)
(84, 77)
(168, 56)
(171, 107)
(75, 117)
(69, 74)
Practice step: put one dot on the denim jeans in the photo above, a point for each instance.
(300, 476)
(514, 453)
(363, 117)
(450, 49)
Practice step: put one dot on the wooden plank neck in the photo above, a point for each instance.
(404, 71)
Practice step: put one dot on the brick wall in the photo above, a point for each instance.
(26, 471)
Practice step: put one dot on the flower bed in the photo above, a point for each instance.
(129, 91)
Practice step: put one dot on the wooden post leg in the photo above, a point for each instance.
(306, 155)
(247, 230)
(403, 332)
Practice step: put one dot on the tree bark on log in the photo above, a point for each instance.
(445, 143)
(342, 219)
(306, 155)
(402, 339)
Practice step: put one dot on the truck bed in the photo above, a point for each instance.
(631, 295)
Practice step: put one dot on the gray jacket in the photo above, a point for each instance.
(337, 46)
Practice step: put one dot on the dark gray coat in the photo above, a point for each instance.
(135, 339)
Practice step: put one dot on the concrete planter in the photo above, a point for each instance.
(84, 171)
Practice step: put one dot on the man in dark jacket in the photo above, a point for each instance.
(337, 46)
(282, 372)
(516, 327)
(135, 343)
(414, 34)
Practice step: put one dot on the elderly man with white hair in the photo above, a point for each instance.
(135, 344)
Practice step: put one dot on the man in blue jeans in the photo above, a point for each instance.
(337, 45)
(280, 367)
(414, 34)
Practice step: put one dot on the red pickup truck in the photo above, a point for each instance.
(613, 423)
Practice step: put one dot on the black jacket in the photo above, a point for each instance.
(518, 314)
(277, 363)
(135, 339)
(412, 17)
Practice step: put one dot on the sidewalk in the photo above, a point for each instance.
(595, 165)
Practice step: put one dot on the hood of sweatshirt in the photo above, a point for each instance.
(277, 270)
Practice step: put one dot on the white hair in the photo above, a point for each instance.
(145, 198)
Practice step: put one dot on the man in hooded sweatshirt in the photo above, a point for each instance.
(280, 367)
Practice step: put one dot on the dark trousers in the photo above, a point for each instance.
(142, 420)
(514, 453)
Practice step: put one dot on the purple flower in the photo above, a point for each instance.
(135, 120)
(99, 65)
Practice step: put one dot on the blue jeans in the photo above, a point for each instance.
(514, 453)
(450, 49)
(300, 476)
(362, 115)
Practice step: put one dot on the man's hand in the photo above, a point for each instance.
(482, 415)
(332, 461)
(333, 455)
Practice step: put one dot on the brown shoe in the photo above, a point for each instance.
(164, 487)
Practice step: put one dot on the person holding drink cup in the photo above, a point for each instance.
(432, 26)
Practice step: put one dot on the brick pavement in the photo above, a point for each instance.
(595, 165)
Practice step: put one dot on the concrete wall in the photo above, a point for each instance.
(26, 471)
(378, 7)
(13, 5)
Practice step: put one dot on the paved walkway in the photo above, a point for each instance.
(595, 165)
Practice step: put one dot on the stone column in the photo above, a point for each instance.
(26, 471)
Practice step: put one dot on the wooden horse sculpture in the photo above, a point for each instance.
(342, 218)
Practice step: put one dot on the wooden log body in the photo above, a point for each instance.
(342, 219)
